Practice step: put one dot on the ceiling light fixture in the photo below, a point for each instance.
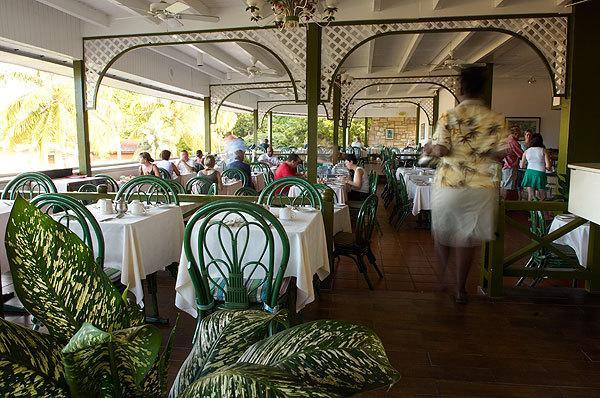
(289, 14)
(532, 80)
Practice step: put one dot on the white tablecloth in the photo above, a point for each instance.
(341, 219)
(184, 178)
(308, 256)
(408, 171)
(5, 208)
(340, 197)
(419, 191)
(230, 187)
(141, 245)
(258, 180)
(62, 184)
(578, 239)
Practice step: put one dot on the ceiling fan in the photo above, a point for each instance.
(170, 13)
(456, 64)
(254, 71)
(574, 3)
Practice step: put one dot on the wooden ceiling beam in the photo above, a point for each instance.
(439, 4)
(458, 40)
(377, 5)
(487, 50)
(413, 43)
(188, 61)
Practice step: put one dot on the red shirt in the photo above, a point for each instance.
(285, 170)
(513, 153)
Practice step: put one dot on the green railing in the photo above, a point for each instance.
(496, 265)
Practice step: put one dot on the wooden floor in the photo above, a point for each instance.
(533, 345)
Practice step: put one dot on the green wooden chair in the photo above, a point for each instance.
(113, 186)
(357, 245)
(264, 168)
(233, 263)
(236, 174)
(149, 189)
(177, 186)
(201, 185)
(278, 192)
(373, 179)
(28, 185)
(75, 216)
(164, 174)
(246, 191)
(88, 188)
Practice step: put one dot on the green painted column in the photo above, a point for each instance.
(418, 127)
(255, 125)
(436, 109)
(207, 132)
(582, 137)
(345, 132)
(489, 82)
(337, 94)
(270, 127)
(81, 120)
(313, 95)
(563, 141)
(366, 131)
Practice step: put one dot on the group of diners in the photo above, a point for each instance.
(204, 166)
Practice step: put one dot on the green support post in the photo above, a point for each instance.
(207, 135)
(418, 127)
(255, 125)
(563, 139)
(345, 132)
(81, 120)
(436, 109)
(366, 131)
(270, 127)
(313, 95)
(337, 94)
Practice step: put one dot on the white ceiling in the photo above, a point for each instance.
(405, 54)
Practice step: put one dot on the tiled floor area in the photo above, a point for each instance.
(517, 347)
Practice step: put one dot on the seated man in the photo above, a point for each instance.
(185, 165)
(238, 163)
(265, 145)
(289, 167)
(268, 157)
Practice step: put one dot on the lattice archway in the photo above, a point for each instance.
(220, 92)
(546, 34)
(449, 82)
(265, 107)
(425, 103)
(288, 46)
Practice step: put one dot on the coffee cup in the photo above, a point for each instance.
(105, 206)
(137, 208)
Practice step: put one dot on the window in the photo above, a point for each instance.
(37, 120)
(126, 123)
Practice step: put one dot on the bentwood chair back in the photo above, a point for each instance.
(149, 189)
(201, 185)
(164, 173)
(236, 174)
(246, 191)
(28, 185)
(238, 253)
(278, 191)
(113, 186)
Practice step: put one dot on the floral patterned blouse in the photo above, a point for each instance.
(474, 135)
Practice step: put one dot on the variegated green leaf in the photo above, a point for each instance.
(122, 359)
(223, 337)
(338, 356)
(253, 381)
(30, 363)
(56, 277)
(155, 384)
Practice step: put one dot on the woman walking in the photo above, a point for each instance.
(538, 162)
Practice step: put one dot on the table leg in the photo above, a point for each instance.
(153, 317)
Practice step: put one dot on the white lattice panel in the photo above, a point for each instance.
(287, 44)
(354, 89)
(265, 106)
(424, 103)
(548, 34)
(220, 92)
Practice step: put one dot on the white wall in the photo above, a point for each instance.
(447, 101)
(517, 98)
(424, 120)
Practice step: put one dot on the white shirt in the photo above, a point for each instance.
(165, 164)
(182, 169)
(357, 144)
(272, 160)
(536, 159)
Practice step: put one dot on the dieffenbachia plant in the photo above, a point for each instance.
(97, 344)
(232, 358)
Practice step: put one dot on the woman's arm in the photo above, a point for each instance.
(357, 181)
(141, 171)
(523, 161)
(176, 170)
(155, 171)
(547, 159)
(219, 182)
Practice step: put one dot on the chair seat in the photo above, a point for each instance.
(344, 239)
(113, 274)
(258, 296)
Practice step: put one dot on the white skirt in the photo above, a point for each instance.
(464, 217)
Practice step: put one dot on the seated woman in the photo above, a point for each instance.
(210, 173)
(359, 185)
(147, 166)
(166, 164)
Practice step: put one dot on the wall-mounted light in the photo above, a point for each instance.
(532, 80)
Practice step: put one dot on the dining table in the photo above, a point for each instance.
(578, 239)
(339, 188)
(418, 186)
(258, 181)
(308, 257)
(341, 219)
(230, 186)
